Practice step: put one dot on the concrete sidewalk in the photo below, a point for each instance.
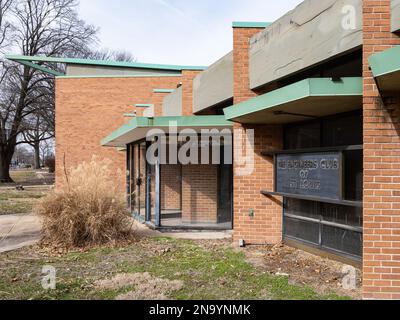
(17, 231)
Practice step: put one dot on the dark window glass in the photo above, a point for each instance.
(303, 230)
(353, 175)
(303, 136)
(342, 131)
(346, 215)
(342, 240)
(302, 208)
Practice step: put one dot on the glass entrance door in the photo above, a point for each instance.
(141, 180)
(138, 180)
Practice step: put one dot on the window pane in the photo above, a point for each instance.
(343, 131)
(303, 136)
(302, 230)
(353, 176)
(351, 216)
(342, 240)
(301, 208)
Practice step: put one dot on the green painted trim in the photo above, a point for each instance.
(163, 90)
(185, 122)
(136, 65)
(40, 68)
(129, 115)
(247, 24)
(160, 75)
(143, 105)
(315, 87)
(385, 62)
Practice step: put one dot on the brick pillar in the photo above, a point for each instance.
(381, 265)
(266, 224)
(187, 91)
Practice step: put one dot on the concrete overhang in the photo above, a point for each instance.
(385, 67)
(395, 15)
(310, 98)
(313, 33)
(214, 85)
(139, 128)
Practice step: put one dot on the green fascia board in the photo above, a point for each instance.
(157, 122)
(143, 105)
(248, 24)
(39, 67)
(135, 123)
(385, 62)
(163, 90)
(106, 63)
(314, 87)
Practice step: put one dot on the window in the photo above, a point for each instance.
(333, 227)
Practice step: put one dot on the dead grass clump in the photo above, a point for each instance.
(87, 211)
(145, 286)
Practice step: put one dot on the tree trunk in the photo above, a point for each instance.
(37, 155)
(5, 162)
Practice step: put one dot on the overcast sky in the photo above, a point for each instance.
(190, 32)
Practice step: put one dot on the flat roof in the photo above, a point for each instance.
(385, 67)
(308, 98)
(33, 61)
(138, 127)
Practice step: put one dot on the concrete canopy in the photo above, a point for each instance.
(314, 32)
(308, 98)
(138, 128)
(385, 67)
(214, 85)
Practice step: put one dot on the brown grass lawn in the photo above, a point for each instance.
(176, 269)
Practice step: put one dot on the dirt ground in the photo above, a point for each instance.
(302, 268)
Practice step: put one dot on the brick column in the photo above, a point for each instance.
(265, 226)
(381, 265)
(187, 91)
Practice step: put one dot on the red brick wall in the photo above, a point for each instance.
(381, 166)
(266, 225)
(171, 185)
(187, 91)
(89, 109)
(199, 193)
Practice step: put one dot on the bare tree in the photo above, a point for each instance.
(5, 25)
(36, 131)
(113, 55)
(41, 27)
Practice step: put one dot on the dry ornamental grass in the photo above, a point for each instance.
(89, 210)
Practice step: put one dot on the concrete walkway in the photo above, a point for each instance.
(17, 231)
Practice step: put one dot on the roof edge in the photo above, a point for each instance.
(137, 65)
(249, 24)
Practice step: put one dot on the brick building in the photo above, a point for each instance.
(311, 103)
